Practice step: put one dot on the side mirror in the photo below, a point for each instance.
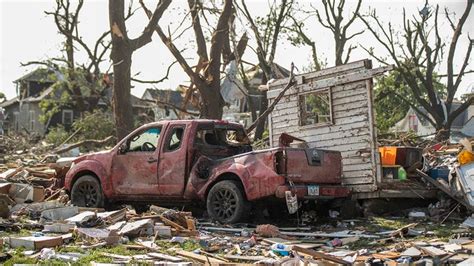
(123, 148)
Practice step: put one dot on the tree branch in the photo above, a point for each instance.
(145, 37)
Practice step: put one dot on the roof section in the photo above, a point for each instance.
(38, 75)
(169, 96)
(9, 102)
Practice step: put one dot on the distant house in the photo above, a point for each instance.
(166, 103)
(237, 96)
(463, 125)
(22, 113)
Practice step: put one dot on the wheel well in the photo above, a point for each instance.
(227, 176)
(83, 173)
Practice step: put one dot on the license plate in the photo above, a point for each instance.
(313, 190)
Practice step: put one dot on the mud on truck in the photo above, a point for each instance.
(210, 161)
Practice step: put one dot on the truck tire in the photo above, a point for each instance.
(226, 202)
(87, 192)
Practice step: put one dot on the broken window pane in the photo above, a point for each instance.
(174, 142)
(315, 108)
(145, 141)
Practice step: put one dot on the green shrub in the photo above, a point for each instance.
(95, 125)
(57, 135)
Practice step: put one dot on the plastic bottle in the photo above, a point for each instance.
(402, 174)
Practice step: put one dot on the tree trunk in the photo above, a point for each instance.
(121, 102)
(212, 103)
(443, 133)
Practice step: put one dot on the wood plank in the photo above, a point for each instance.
(162, 256)
(324, 72)
(329, 82)
(197, 257)
(244, 258)
(349, 106)
(357, 174)
(349, 99)
(319, 255)
(356, 167)
(358, 180)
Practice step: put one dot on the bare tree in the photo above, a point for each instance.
(205, 76)
(266, 36)
(122, 50)
(418, 54)
(333, 21)
(66, 19)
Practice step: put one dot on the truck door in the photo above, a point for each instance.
(135, 166)
(172, 162)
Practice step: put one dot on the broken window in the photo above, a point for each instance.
(144, 141)
(31, 119)
(16, 121)
(68, 117)
(413, 123)
(315, 108)
(175, 139)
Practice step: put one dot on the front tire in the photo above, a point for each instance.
(226, 202)
(87, 192)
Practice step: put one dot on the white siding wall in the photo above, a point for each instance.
(352, 131)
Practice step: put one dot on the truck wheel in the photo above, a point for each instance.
(226, 203)
(87, 192)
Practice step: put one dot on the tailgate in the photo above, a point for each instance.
(313, 165)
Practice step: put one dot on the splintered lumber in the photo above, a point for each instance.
(171, 223)
(162, 256)
(245, 258)
(197, 257)
(9, 173)
(319, 255)
(444, 189)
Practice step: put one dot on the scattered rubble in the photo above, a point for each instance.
(39, 224)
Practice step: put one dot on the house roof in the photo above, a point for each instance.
(170, 96)
(459, 122)
(9, 102)
(38, 75)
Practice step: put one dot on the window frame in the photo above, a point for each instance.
(170, 135)
(67, 111)
(129, 140)
(31, 120)
(302, 106)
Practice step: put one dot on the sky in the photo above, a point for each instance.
(27, 34)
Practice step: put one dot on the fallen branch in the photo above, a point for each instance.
(82, 143)
(270, 108)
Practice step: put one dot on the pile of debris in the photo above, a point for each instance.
(450, 168)
(56, 232)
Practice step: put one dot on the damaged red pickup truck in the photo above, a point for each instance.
(201, 160)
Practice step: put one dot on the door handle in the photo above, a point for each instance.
(152, 160)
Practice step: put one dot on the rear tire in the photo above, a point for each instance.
(87, 192)
(226, 202)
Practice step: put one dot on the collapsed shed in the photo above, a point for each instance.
(333, 109)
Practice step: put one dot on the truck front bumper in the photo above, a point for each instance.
(313, 191)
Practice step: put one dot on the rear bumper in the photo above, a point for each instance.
(325, 191)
